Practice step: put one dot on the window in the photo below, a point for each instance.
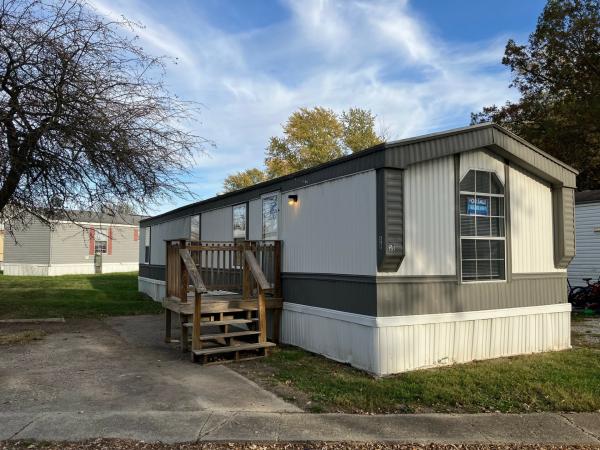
(482, 237)
(100, 247)
(147, 245)
(240, 217)
(195, 228)
(270, 213)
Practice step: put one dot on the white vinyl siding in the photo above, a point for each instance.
(332, 228)
(217, 225)
(531, 224)
(173, 229)
(430, 246)
(586, 263)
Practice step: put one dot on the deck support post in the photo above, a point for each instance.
(196, 342)
(184, 333)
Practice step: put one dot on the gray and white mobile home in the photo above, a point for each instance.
(586, 263)
(85, 243)
(428, 251)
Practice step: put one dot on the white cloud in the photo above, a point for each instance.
(338, 54)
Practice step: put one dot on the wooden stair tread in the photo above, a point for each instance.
(232, 348)
(214, 323)
(224, 311)
(206, 337)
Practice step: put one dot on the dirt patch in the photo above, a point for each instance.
(20, 337)
(586, 332)
(102, 444)
(264, 376)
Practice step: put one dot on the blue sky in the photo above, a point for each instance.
(420, 66)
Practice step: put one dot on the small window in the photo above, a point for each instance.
(100, 247)
(240, 221)
(482, 227)
(270, 215)
(195, 228)
(147, 236)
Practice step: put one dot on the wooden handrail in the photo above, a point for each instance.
(257, 272)
(192, 271)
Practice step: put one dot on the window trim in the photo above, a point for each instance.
(459, 214)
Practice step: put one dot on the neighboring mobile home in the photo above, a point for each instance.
(88, 243)
(444, 248)
(586, 263)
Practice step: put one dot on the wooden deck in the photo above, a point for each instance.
(224, 326)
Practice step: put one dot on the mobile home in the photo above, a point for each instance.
(427, 251)
(586, 263)
(84, 243)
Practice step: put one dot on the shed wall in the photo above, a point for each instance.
(586, 263)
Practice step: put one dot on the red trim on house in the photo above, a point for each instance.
(110, 239)
(136, 234)
(92, 241)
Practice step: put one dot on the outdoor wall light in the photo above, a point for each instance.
(292, 199)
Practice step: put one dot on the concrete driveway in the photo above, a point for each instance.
(119, 365)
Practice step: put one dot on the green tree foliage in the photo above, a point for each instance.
(243, 179)
(558, 76)
(311, 137)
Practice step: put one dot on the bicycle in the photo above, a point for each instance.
(585, 296)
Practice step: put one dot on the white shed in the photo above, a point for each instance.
(586, 263)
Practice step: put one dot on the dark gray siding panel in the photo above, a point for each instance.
(350, 293)
(152, 271)
(563, 204)
(390, 219)
(29, 246)
(396, 297)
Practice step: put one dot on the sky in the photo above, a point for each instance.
(419, 66)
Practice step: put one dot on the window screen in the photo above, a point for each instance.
(482, 227)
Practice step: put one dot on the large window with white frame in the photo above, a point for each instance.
(482, 227)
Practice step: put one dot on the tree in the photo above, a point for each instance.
(85, 120)
(312, 137)
(244, 179)
(558, 76)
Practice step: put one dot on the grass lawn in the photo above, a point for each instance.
(73, 296)
(559, 381)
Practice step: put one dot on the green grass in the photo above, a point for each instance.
(559, 381)
(73, 296)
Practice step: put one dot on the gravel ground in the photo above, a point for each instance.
(586, 332)
(106, 444)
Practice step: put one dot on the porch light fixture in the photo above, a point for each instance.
(292, 199)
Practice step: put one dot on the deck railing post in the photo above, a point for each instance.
(262, 315)
(183, 279)
(246, 276)
(277, 269)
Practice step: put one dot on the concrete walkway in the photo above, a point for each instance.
(116, 378)
(187, 426)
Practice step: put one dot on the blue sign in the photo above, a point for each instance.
(479, 206)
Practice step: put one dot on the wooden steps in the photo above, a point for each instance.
(215, 323)
(233, 334)
(233, 348)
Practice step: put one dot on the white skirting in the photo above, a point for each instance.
(154, 288)
(66, 269)
(387, 345)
